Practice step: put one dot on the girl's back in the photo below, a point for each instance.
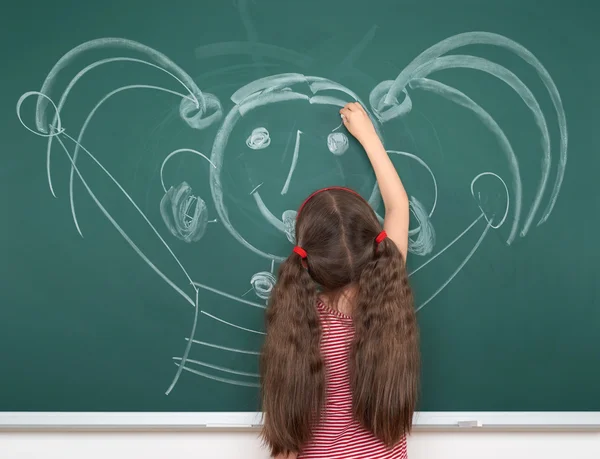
(340, 362)
(338, 435)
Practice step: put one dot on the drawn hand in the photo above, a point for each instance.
(358, 123)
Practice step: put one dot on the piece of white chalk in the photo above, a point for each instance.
(474, 423)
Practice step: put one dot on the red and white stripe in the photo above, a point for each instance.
(338, 435)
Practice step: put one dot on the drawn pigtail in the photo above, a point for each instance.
(384, 359)
(291, 367)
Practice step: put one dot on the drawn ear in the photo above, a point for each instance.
(385, 105)
(201, 115)
(424, 241)
(175, 208)
(184, 213)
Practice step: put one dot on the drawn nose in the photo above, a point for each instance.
(286, 185)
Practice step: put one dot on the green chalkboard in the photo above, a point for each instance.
(143, 224)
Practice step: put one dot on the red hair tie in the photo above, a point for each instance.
(300, 251)
(380, 237)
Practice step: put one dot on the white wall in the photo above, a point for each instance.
(422, 445)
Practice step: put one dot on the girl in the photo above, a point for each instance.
(340, 362)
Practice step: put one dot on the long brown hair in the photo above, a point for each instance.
(337, 229)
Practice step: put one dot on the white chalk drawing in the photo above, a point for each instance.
(262, 284)
(216, 367)
(286, 185)
(273, 90)
(337, 142)
(289, 225)
(424, 231)
(186, 215)
(258, 139)
(423, 244)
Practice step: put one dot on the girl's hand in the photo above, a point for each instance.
(358, 123)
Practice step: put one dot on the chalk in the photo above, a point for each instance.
(474, 423)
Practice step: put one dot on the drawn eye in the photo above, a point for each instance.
(259, 139)
(337, 142)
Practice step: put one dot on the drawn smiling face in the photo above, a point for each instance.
(299, 151)
(266, 163)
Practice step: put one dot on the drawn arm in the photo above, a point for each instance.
(394, 195)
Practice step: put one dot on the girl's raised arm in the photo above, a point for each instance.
(394, 196)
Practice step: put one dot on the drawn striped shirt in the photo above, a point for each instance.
(338, 435)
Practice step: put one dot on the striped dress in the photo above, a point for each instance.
(338, 435)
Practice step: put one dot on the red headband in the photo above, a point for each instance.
(325, 189)
(299, 250)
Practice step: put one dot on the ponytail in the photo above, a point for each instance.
(291, 367)
(384, 359)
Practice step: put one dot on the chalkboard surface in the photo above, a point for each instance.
(158, 151)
